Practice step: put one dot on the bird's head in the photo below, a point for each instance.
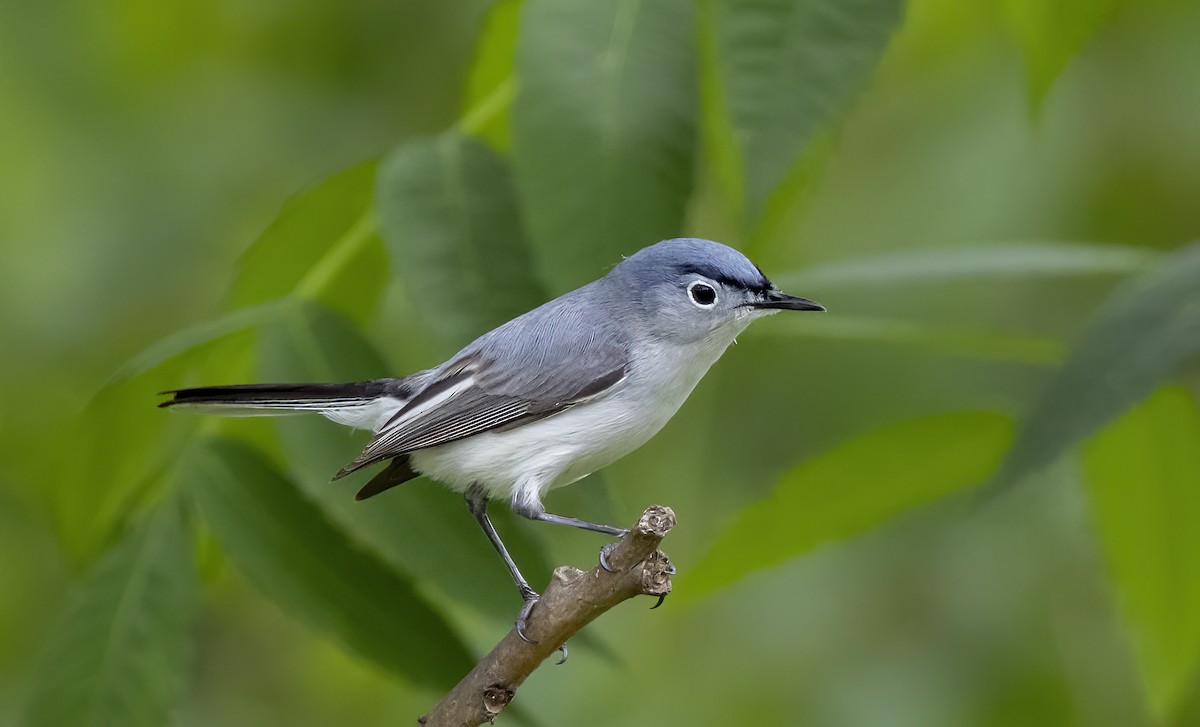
(687, 288)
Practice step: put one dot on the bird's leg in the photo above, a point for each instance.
(477, 503)
(549, 517)
(535, 512)
(596, 528)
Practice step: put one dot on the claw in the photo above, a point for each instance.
(604, 556)
(661, 597)
(531, 600)
(563, 660)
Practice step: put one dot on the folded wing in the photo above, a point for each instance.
(528, 369)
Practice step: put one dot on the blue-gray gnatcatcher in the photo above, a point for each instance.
(548, 397)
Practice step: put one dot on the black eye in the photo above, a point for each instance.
(702, 294)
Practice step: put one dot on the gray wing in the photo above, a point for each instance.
(534, 366)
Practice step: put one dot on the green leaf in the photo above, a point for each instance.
(1142, 476)
(1138, 338)
(922, 270)
(193, 337)
(854, 487)
(118, 656)
(1018, 260)
(490, 85)
(603, 129)
(1051, 33)
(419, 528)
(791, 195)
(321, 245)
(945, 339)
(447, 211)
(122, 445)
(290, 552)
(778, 73)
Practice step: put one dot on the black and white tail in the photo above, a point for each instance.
(360, 404)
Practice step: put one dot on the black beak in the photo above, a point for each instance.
(782, 301)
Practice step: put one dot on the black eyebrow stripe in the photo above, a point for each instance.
(712, 273)
(766, 280)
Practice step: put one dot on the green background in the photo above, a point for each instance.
(967, 495)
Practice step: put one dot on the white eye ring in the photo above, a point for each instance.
(705, 290)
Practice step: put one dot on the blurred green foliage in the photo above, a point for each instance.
(994, 199)
(1148, 539)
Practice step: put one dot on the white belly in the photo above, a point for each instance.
(525, 462)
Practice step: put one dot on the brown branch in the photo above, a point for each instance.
(572, 600)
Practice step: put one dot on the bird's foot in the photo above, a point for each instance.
(604, 551)
(670, 570)
(608, 547)
(530, 597)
